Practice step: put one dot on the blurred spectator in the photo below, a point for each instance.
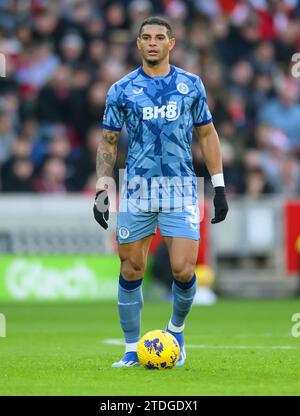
(263, 58)
(256, 184)
(236, 106)
(85, 165)
(53, 100)
(17, 171)
(96, 28)
(96, 54)
(71, 46)
(115, 17)
(52, 178)
(44, 28)
(284, 112)
(232, 151)
(62, 56)
(59, 147)
(262, 89)
(287, 42)
(7, 136)
(19, 177)
(241, 77)
(79, 116)
(36, 67)
(96, 96)
(273, 144)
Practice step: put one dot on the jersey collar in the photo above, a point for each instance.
(143, 73)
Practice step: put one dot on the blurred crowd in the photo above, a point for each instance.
(63, 55)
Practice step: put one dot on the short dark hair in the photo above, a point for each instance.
(157, 21)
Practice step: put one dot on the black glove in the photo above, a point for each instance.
(101, 208)
(220, 203)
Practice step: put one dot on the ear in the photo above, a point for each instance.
(171, 43)
(138, 43)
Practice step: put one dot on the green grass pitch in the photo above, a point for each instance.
(233, 348)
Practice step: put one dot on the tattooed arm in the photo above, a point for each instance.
(106, 157)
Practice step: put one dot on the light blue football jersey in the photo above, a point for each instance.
(159, 113)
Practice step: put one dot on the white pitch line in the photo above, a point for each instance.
(115, 341)
(245, 335)
(244, 347)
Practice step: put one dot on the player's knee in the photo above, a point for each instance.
(132, 270)
(184, 273)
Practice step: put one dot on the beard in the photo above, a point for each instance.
(153, 62)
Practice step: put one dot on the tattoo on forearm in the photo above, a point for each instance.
(111, 137)
(108, 158)
(107, 153)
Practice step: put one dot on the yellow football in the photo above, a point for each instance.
(158, 350)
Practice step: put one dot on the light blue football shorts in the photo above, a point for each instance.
(136, 224)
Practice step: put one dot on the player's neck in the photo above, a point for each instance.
(160, 70)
